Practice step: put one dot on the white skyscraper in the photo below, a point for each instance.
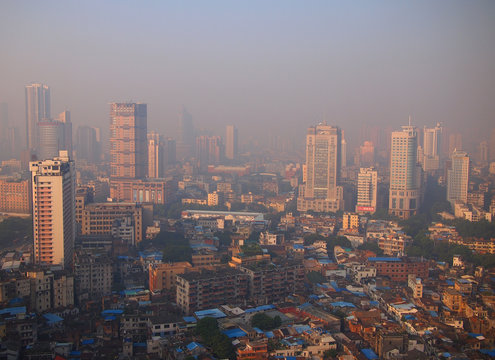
(405, 174)
(458, 178)
(323, 156)
(54, 223)
(231, 142)
(431, 148)
(367, 190)
(37, 109)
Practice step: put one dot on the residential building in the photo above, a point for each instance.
(54, 221)
(416, 285)
(128, 142)
(158, 191)
(162, 276)
(269, 283)
(367, 190)
(99, 218)
(208, 289)
(405, 175)
(15, 196)
(458, 178)
(398, 269)
(209, 150)
(350, 221)
(88, 147)
(321, 192)
(93, 275)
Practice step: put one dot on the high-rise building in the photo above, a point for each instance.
(367, 190)
(50, 137)
(185, 144)
(367, 154)
(491, 151)
(155, 155)
(54, 221)
(208, 150)
(169, 153)
(231, 146)
(87, 145)
(405, 174)
(458, 178)
(37, 109)
(66, 124)
(343, 151)
(483, 152)
(128, 140)
(431, 148)
(455, 142)
(323, 156)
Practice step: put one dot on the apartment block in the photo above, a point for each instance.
(15, 196)
(207, 289)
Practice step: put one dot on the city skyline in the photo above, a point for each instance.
(373, 63)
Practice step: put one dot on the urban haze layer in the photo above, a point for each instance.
(327, 192)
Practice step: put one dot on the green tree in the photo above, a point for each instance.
(315, 277)
(265, 322)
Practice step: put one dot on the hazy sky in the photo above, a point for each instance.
(263, 65)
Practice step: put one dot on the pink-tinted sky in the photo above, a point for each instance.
(263, 65)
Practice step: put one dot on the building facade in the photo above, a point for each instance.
(231, 147)
(99, 218)
(323, 164)
(367, 190)
(15, 196)
(458, 178)
(54, 221)
(128, 140)
(37, 109)
(405, 174)
(431, 148)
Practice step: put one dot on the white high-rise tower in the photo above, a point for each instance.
(54, 222)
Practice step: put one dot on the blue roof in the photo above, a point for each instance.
(13, 310)
(75, 353)
(16, 301)
(144, 303)
(214, 313)
(302, 328)
(370, 354)
(88, 341)
(409, 317)
(139, 344)
(374, 303)
(260, 308)
(190, 319)
(52, 318)
(474, 335)
(234, 333)
(258, 330)
(450, 282)
(433, 313)
(342, 304)
(193, 345)
(304, 306)
(109, 318)
(488, 352)
(112, 312)
(269, 334)
(390, 259)
(325, 261)
(298, 247)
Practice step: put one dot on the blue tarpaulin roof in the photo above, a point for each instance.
(370, 354)
(269, 334)
(488, 352)
(214, 313)
(190, 319)
(193, 345)
(13, 310)
(88, 342)
(260, 308)
(234, 333)
(433, 313)
(382, 258)
(342, 304)
(450, 282)
(52, 318)
(112, 312)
